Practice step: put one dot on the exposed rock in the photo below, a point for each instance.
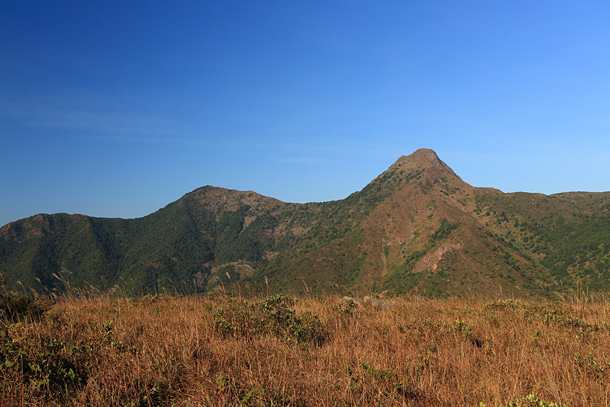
(430, 260)
(350, 299)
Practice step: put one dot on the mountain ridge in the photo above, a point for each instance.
(417, 227)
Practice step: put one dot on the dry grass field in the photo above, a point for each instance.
(224, 350)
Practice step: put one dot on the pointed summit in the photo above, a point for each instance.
(420, 159)
(425, 154)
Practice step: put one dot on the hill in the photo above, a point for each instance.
(415, 228)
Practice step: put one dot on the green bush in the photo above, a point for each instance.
(273, 315)
(47, 366)
(532, 400)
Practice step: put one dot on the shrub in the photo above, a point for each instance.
(273, 315)
(532, 400)
(48, 366)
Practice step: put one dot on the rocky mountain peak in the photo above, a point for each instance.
(422, 158)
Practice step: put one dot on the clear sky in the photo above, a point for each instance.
(117, 108)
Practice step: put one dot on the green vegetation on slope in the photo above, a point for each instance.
(567, 235)
(415, 228)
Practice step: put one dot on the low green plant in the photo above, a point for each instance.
(49, 366)
(465, 330)
(591, 366)
(245, 401)
(346, 306)
(387, 380)
(273, 315)
(531, 400)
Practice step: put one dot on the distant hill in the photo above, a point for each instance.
(416, 228)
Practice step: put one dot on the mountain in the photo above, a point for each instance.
(415, 228)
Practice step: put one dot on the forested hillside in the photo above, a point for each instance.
(416, 228)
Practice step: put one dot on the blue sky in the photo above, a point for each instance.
(117, 108)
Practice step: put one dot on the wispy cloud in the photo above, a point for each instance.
(93, 118)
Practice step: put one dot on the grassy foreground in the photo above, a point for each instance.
(279, 351)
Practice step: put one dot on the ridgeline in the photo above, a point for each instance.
(417, 228)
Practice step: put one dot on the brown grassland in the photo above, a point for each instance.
(225, 350)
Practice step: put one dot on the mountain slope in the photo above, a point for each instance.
(416, 228)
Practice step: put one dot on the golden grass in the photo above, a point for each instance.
(172, 351)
